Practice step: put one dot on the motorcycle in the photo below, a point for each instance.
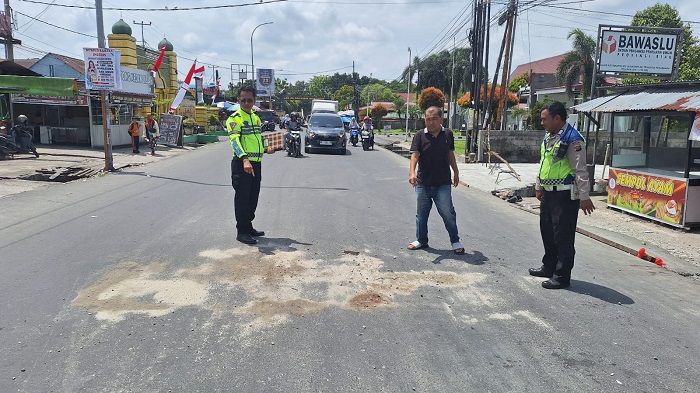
(267, 126)
(294, 140)
(354, 135)
(367, 142)
(19, 141)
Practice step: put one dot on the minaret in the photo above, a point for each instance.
(122, 40)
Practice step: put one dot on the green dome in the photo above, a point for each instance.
(168, 45)
(121, 27)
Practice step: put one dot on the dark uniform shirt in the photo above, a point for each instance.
(433, 157)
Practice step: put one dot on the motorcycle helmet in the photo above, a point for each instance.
(366, 118)
(22, 119)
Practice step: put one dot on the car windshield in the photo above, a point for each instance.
(326, 121)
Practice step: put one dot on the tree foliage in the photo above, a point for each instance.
(578, 64)
(436, 70)
(431, 96)
(344, 96)
(665, 15)
(518, 82)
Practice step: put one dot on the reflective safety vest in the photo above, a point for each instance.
(555, 169)
(244, 133)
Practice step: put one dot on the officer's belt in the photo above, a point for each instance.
(563, 187)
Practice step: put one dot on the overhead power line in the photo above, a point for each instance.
(56, 26)
(203, 7)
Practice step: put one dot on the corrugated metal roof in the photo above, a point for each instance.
(684, 100)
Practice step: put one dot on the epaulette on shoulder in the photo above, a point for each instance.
(235, 114)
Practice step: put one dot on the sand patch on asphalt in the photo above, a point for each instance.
(133, 288)
(270, 286)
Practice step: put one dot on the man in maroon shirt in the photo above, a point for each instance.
(432, 151)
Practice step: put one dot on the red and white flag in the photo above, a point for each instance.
(159, 61)
(185, 84)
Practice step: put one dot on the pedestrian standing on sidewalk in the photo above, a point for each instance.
(432, 151)
(243, 128)
(135, 133)
(562, 187)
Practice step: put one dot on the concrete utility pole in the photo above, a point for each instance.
(513, 17)
(109, 161)
(142, 23)
(8, 40)
(408, 89)
(355, 101)
(452, 84)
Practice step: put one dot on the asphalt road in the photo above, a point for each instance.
(133, 282)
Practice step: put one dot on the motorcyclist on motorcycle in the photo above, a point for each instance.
(22, 134)
(294, 124)
(367, 125)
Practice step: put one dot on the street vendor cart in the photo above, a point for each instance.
(655, 146)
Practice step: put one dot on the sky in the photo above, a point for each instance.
(313, 37)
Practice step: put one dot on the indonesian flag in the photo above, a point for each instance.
(185, 84)
(216, 91)
(159, 61)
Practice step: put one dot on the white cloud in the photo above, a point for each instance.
(309, 37)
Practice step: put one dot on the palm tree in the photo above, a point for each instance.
(578, 65)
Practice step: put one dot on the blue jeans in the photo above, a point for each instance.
(442, 196)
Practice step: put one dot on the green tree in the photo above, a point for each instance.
(436, 70)
(535, 111)
(399, 104)
(578, 64)
(320, 86)
(518, 82)
(665, 15)
(377, 92)
(344, 96)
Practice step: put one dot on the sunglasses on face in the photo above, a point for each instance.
(244, 100)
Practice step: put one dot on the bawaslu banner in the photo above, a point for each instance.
(656, 197)
(638, 53)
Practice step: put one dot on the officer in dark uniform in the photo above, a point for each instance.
(562, 187)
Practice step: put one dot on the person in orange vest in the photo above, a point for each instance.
(135, 133)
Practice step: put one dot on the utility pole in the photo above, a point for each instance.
(512, 16)
(142, 23)
(452, 84)
(355, 101)
(6, 27)
(408, 89)
(109, 162)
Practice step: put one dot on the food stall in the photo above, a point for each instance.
(655, 149)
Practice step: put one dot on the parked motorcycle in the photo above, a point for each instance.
(18, 141)
(354, 135)
(367, 142)
(267, 126)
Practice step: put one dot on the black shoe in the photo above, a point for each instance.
(257, 233)
(247, 239)
(556, 283)
(539, 272)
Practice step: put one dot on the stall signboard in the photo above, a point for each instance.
(170, 127)
(656, 197)
(102, 69)
(637, 53)
(79, 100)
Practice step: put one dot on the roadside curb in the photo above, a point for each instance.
(600, 238)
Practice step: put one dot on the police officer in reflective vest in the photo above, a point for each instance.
(243, 128)
(562, 187)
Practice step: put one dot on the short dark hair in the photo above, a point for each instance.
(249, 89)
(436, 109)
(556, 108)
